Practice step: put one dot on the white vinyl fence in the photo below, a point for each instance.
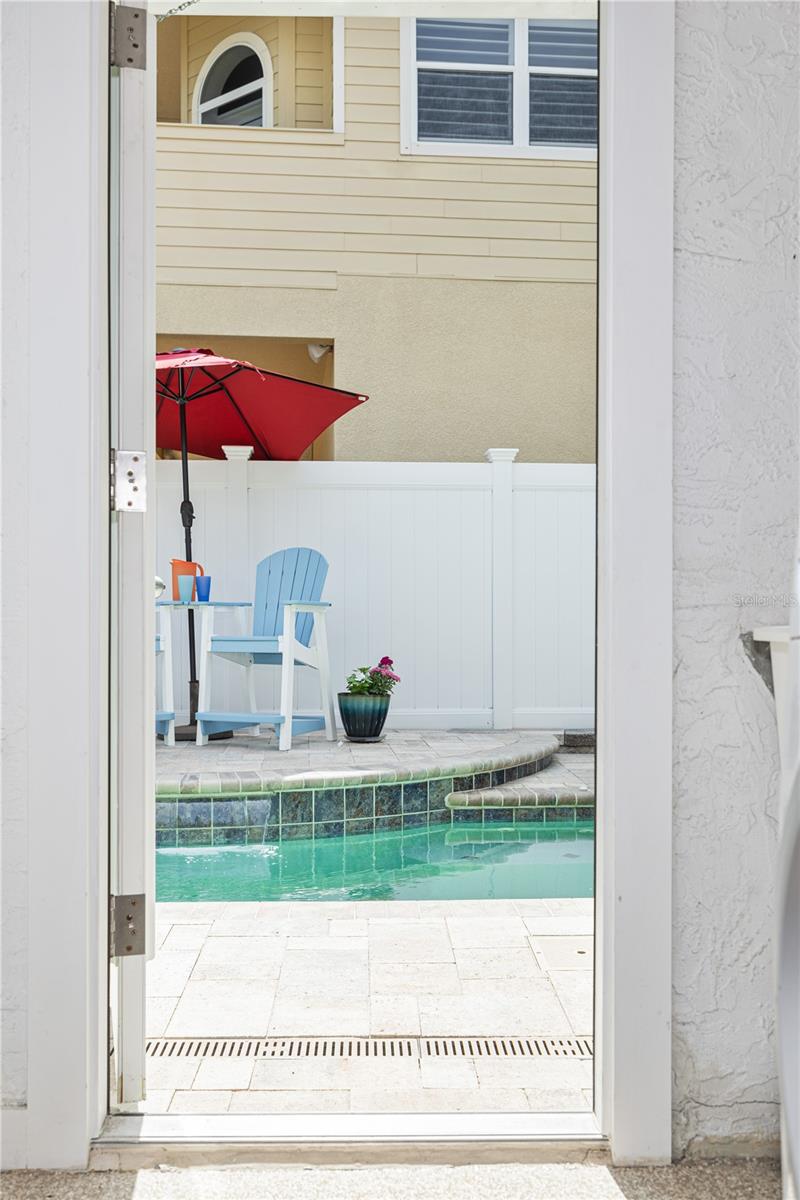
(476, 578)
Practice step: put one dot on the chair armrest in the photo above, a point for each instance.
(307, 605)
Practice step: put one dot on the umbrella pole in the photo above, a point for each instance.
(187, 518)
(188, 733)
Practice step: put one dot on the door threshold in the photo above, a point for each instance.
(142, 1139)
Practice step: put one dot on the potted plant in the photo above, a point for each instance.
(365, 705)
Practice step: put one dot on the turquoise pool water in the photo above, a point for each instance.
(435, 863)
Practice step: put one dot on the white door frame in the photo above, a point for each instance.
(635, 617)
(133, 344)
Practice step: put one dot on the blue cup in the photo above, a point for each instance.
(203, 588)
(185, 588)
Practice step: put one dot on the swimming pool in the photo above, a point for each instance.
(429, 863)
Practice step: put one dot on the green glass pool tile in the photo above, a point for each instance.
(272, 832)
(193, 813)
(359, 802)
(232, 836)
(529, 816)
(165, 837)
(415, 798)
(500, 816)
(329, 805)
(229, 812)
(210, 783)
(166, 814)
(464, 783)
(260, 809)
(297, 807)
(438, 791)
(483, 779)
(194, 837)
(496, 778)
(361, 825)
(413, 819)
(328, 829)
(255, 836)
(385, 823)
(439, 816)
(293, 832)
(584, 814)
(564, 816)
(467, 816)
(388, 799)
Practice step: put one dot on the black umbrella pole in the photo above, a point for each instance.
(188, 732)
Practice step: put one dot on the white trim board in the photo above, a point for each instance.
(353, 1128)
(633, 1038)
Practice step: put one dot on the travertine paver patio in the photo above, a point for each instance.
(497, 968)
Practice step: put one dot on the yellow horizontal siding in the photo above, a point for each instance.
(294, 214)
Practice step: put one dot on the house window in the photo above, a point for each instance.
(516, 87)
(235, 84)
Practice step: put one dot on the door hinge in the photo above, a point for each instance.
(128, 481)
(126, 925)
(128, 37)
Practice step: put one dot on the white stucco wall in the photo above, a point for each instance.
(735, 478)
(735, 447)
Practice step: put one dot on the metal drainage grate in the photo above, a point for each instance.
(454, 1047)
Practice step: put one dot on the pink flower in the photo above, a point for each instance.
(386, 662)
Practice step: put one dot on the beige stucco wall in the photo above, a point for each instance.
(450, 366)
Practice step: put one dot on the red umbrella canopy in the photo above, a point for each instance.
(232, 403)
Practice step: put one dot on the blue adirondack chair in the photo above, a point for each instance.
(289, 631)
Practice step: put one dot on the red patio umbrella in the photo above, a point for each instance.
(205, 401)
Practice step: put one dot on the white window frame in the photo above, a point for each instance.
(259, 47)
(521, 73)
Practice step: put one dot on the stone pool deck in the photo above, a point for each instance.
(377, 969)
(244, 791)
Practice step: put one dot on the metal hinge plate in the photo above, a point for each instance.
(126, 925)
(128, 481)
(128, 34)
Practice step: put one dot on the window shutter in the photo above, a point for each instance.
(563, 45)
(481, 42)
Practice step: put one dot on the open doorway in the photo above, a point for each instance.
(419, 910)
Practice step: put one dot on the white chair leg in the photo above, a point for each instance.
(167, 683)
(204, 689)
(321, 642)
(251, 691)
(286, 645)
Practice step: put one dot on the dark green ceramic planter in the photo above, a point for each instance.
(363, 717)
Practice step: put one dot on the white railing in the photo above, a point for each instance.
(477, 578)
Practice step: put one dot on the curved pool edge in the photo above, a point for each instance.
(231, 783)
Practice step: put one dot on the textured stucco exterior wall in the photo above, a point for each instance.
(451, 366)
(735, 446)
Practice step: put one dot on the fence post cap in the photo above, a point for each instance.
(237, 453)
(500, 455)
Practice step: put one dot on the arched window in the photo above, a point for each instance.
(234, 86)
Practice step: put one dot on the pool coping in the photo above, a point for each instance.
(235, 783)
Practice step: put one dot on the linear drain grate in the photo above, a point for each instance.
(333, 1047)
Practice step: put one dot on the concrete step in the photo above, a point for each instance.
(551, 787)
